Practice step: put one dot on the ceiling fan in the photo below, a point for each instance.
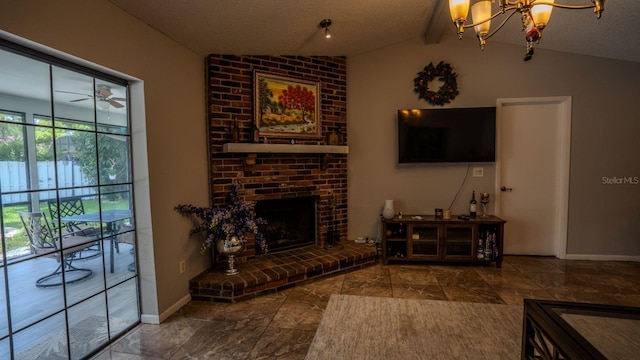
(103, 94)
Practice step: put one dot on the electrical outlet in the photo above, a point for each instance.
(478, 172)
(183, 266)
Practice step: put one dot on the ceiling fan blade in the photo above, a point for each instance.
(72, 92)
(116, 104)
(76, 100)
(118, 98)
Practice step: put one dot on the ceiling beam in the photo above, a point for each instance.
(439, 22)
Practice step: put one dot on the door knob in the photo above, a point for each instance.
(505, 189)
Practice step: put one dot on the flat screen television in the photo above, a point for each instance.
(447, 135)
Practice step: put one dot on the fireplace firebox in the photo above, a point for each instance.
(290, 222)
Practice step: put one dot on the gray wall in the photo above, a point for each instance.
(605, 127)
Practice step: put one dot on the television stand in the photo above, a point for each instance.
(427, 238)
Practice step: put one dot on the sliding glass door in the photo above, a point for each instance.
(68, 273)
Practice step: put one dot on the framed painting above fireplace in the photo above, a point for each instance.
(286, 107)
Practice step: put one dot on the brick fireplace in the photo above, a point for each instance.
(271, 176)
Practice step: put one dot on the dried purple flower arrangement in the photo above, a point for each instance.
(237, 218)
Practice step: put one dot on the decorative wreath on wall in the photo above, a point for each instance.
(443, 72)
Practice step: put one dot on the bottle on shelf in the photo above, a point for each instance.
(487, 249)
(340, 135)
(236, 130)
(473, 205)
(255, 133)
(334, 137)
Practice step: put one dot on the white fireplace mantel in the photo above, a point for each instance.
(284, 148)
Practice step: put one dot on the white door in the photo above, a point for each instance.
(532, 180)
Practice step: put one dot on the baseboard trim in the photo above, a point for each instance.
(157, 319)
(150, 319)
(601, 257)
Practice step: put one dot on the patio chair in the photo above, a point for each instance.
(44, 241)
(127, 236)
(70, 206)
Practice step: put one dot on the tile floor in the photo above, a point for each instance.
(282, 325)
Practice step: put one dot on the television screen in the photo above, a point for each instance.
(447, 135)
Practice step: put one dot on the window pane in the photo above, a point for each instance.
(86, 125)
(42, 135)
(113, 158)
(73, 95)
(30, 303)
(116, 197)
(88, 326)
(45, 169)
(30, 90)
(4, 348)
(125, 256)
(116, 204)
(111, 103)
(94, 283)
(4, 321)
(76, 158)
(16, 239)
(9, 116)
(11, 144)
(71, 203)
(13, 170)
(21, 169)
(32, 344)
(123, 306)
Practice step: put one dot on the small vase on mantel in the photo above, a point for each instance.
(230, 247)
(388, 211)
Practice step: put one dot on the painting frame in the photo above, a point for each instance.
(286, 107)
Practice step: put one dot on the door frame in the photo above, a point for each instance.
(562, 168)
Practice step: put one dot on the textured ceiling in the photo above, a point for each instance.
(291, 27)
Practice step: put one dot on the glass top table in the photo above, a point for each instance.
(569, 330)
(111, 218)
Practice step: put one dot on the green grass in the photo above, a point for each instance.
(11, 218)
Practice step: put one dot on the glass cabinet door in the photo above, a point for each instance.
(459, 241)
(425, 241)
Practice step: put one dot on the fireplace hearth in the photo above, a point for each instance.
(291, 223)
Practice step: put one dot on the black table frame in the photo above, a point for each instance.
(546, 335)
(110, 218)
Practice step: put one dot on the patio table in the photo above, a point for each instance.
(111, 219)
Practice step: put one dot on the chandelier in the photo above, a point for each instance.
(535, 16)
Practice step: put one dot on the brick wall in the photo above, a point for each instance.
(230, 96)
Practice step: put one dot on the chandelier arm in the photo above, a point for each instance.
(501, 24)
(565, 6)
(492, 16)
(514, 6)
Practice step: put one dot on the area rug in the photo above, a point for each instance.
(360, 327)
